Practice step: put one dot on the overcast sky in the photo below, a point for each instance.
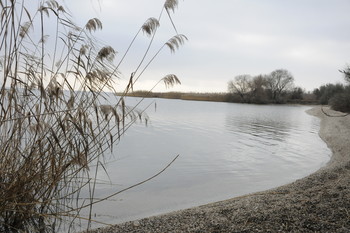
(310, 38)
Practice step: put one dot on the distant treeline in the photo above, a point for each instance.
(218, 97)
(276, 87)
(307, 98)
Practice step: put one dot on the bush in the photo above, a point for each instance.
(326, 92)
(341, 102)
(297, 93)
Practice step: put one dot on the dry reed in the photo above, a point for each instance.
(54, 124)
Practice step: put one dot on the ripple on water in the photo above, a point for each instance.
(225, 150)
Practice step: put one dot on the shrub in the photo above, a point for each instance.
(326, 92)
(341, 101)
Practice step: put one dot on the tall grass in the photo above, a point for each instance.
(215, 97)
(55, 125)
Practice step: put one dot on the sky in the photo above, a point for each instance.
(226, 38)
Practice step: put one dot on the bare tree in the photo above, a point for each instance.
(279, 81)
(346, 73)
(258, 92)
(241, 86)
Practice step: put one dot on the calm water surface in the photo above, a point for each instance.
(225, 149)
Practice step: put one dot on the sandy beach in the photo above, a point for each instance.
(319, 202)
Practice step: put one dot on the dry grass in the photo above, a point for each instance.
(215, 97)
(54, 124)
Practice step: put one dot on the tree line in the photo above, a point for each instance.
(335, 95)
(276, 87)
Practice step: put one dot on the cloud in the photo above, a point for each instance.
(231, 37)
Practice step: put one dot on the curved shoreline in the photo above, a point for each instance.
(319, 202)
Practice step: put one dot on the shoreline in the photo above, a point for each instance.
(319, 202)
(224, 97)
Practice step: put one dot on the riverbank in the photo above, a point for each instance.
(317, 203)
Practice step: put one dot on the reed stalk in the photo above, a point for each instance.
(55, 125)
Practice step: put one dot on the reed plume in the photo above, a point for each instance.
(175, 42)
(150, 26)
(56, 116)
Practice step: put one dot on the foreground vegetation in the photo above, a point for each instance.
(57, 119)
